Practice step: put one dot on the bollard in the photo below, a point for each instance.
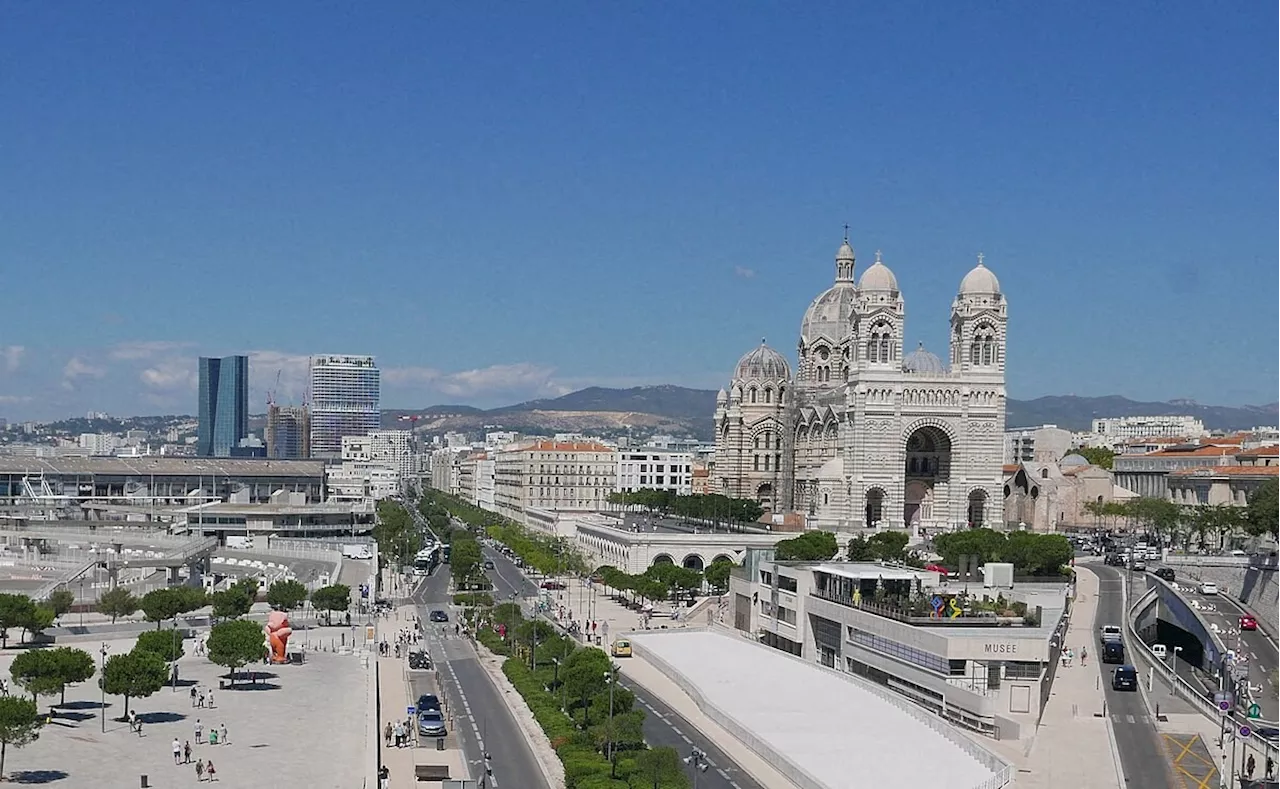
(439, 743)
(145, 782)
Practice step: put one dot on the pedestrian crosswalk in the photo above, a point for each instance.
(1144, 720)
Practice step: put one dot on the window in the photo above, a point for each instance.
(786, 583)
(787, 615)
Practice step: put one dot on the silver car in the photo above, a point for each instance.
(431, 724)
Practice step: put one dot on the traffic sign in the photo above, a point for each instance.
(1255, 711)
(410, 710)
(1245, 731)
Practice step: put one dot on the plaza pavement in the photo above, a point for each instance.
(304, 725)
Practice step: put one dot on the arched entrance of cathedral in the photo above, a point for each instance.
(875, 507)
(928, 462)
(977, 509)
(764, 496)
(693, 562)
(663, 558)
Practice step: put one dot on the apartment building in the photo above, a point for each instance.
(655, 469)
(1043, 444)
(345, 392)
(1123, 427)
(554, 476)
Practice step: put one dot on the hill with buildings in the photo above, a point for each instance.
(679, 410)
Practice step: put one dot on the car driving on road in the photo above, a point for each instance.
(1125, 678)
(439, 616)
(1208, 587)
(1248, 623)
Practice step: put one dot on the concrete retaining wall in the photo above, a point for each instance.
(1256, 587)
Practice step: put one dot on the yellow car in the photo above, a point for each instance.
(621, 648)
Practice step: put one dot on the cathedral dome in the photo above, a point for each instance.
(845, 252)
(922, 361)
(979, 281)
(829, 314)
(878, 278)
(763, 362)
(1073, 461)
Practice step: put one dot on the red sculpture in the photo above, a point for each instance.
(278, 632)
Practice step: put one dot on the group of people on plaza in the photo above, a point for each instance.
(398, 734)
(204, 767)
(407, 637)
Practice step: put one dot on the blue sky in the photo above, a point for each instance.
(503, 203)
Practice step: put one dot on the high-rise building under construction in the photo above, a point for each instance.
(288, 431)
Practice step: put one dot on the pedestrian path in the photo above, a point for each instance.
(394, 699)
(1074, 745)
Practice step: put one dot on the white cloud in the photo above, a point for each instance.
(11, 357)
(170, 373)
(744, 272)
(76, 368)
(135, 351)
(14, 399)
(523, 380)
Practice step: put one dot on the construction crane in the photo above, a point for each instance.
(412, 419)
(271, 393)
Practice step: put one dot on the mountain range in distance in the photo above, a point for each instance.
(681, 411)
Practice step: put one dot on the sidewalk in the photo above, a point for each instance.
(394, 697)
(584, 602)
(1074, 744)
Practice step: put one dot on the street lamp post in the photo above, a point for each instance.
(173, 680)
(102, 683)
(697, 759)
(612, 679)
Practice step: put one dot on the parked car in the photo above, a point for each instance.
(1248, 623)
(427, 701)
(1208, 587)
(1165, 574)
(439, 616)
(488, 564)
(555, 585)
(1124, 678)
(1138, 564)
(431, 724)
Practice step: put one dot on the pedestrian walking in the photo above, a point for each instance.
(210, 771)
(1271, 766)
(1084, 656)
(199, 732)
(384, 777)
(199, 769)
(386, 735)
(194, 691)
(186, 752)
(177, 751)
(1249, 767)
(213, 736)
(222, 735)
(209, 698)
(139, 726)
(200, 700)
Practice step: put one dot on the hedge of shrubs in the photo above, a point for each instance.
(474, 599)
(584, 766)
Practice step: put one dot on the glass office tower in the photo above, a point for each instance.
(344, 401)
(224, 405)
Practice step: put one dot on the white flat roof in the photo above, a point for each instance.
(843, 735)
(857, 570)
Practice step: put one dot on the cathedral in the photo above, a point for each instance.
(863, 434)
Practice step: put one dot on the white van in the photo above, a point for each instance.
(357, 551)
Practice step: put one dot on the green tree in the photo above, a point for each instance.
(717, 574)
(236, 644)
(248, 586)
(1097, 456)
(167, 644)
(286, 595)
(171, 602)
(859, 550)
(16, 610)
(61, 601)
(331, 598)
(624, 731)
(41, 619)
(1264, 504)
(396, 533)
(465, 558)
(20, 724)
(585, 675)
(230, 603)
(75, 665)
(812, 546)
(659, 768)
(37, 672)
(134, 675)
(889, 545)
(118, 602)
